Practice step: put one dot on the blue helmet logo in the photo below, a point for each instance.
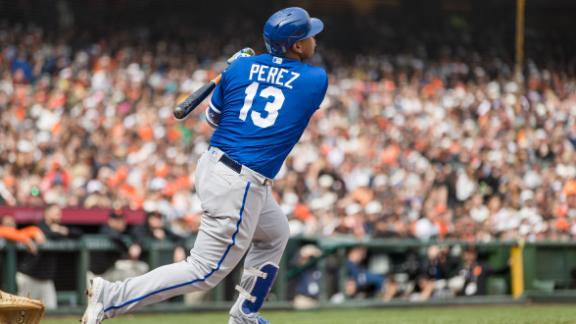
(286, 27)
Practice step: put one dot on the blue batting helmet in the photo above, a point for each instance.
(286, 27)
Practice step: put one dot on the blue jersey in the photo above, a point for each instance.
(262, 106)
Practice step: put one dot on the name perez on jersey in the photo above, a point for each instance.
(273, 75)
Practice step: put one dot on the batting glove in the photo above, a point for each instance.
(245, 52)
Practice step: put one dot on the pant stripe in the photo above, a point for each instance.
(198, 279)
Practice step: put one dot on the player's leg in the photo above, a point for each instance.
(261, 263)
(232, 207)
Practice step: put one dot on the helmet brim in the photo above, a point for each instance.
(316, 26)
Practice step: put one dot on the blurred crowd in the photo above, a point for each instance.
(447, 149)
(404, 145)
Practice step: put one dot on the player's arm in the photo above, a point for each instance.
(216, 104)
(214, 110)
(213, 114)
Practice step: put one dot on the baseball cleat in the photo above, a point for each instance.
(94, 311)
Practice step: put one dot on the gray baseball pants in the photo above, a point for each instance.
(240, 214)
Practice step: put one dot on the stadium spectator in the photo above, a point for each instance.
(434, 272)
(124, 260)
(471, 278)
(308, 282)
(155, 229)
(360, 281)
(30, 236)
(36, 271)
(403, 278)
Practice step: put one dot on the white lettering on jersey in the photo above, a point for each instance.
(280, 77)
(295, 76)
(263, 69)
(272, 75)
(253, 70)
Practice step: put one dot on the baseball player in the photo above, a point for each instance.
(259, 111)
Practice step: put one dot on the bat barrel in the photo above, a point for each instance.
(186, 107)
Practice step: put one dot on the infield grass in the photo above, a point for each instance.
(525, 314)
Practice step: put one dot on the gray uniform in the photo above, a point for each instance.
(260, 109)
(240, 215)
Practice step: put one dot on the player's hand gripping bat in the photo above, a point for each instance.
(187, 106)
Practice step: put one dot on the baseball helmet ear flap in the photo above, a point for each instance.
(286, 27)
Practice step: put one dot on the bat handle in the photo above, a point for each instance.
(217, 79)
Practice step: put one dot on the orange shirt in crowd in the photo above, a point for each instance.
(23, 235)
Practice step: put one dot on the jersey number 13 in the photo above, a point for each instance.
(271, 107)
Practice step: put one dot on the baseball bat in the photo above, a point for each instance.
(187, 106)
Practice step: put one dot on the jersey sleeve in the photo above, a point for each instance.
(217, 100)
(216, 104)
